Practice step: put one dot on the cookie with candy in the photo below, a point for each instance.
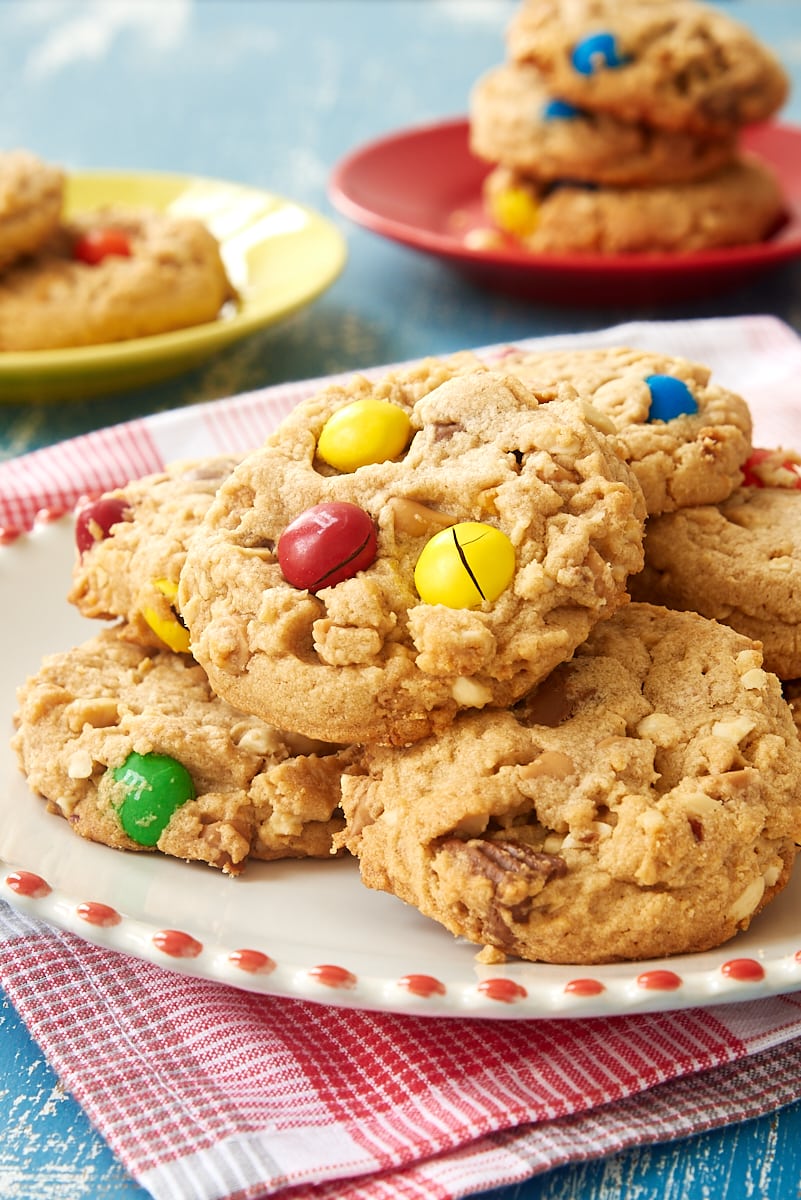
(685, 436)
(616, 129)
(130, 745)
(403, 549)
(131, 544)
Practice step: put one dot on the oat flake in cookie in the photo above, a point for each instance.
(642, 801)
(131, 746)
(688, 450)
(131, 544)
(673, 64)
(533, 490)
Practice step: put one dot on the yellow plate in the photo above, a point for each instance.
(280, 256)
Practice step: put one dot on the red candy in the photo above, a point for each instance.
(767, 467)
(94, 520)
(96, 244)
(326, 544)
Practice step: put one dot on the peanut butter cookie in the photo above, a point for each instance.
(31, 195)
(515, 121)
(399, 551)
(111, 275)
(674, 64)
(738, 562)
(131, 544)
(738, 204)
(642, 801)
(685, 437)
(131, 746)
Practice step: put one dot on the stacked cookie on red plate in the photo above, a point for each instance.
(616, 129)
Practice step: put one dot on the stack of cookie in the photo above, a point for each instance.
(103, 276)
(403, 628)
(616, 129)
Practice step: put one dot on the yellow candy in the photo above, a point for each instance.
(465, 565)
(169, 629)
(366, 431)
(515, 211)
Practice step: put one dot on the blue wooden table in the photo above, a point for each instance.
(272, 93)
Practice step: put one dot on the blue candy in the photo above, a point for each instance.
(559, 110)
(596, 51)
(670, 397)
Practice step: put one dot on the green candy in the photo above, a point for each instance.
(155, 786)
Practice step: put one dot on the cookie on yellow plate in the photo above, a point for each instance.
(111, 275)
(31, 195)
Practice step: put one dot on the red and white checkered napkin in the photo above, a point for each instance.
(210, 1092)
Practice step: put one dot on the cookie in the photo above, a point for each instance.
(131, 545)
(737, 205)
(31, 195)
(516, 122)
(673, 64)
(470, 536)
(792, 694)
(131, 746)
(163, 273)
(643, 801)
(685, 437)
(738, 562)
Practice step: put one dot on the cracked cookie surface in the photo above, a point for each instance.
(259, 793)
(368, 659)
(694, 458)
(641, 802)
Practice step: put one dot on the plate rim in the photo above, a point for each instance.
(508, 258)
(463, 988)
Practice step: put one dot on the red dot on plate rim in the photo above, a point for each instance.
(422, 985)
(504, 990)
(584, 987)
(95, 913)
(252, 961)
(660, 981)
(26, 883)
(333, 976)
(746, 970)
(177, 944)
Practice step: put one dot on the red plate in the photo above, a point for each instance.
(422, 187)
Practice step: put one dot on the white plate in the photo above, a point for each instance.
(317, 933)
